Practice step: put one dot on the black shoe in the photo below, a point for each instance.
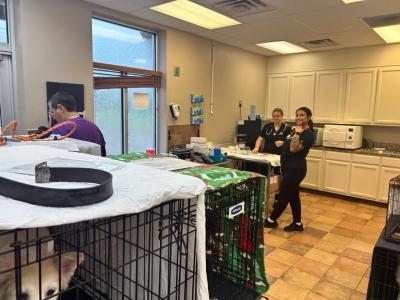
(293, 227)
(269, 224)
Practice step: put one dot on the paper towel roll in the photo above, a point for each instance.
(252, 112)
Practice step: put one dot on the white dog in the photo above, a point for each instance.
(30, 273)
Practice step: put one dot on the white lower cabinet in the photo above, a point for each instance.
(314, 173)
(358, 175)
(336, 177)
(364, 181)
(386, 173)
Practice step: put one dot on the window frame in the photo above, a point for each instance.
(124, 100)
(9, 51)
(7, 48)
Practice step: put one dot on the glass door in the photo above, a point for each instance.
(108, 116)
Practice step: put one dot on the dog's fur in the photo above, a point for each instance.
(30, 274)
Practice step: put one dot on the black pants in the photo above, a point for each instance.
(292, 175)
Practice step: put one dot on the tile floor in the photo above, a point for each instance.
(331, 258)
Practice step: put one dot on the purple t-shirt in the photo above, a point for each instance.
(85, 131)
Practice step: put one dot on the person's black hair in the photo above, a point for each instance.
(309, 114)
(65, 99)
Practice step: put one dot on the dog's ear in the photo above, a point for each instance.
(68, 265)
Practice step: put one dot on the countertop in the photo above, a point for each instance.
(394, 154)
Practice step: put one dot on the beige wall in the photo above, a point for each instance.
(54, 45)
(383, 134)
(238, 75)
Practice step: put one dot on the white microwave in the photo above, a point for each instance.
(343, 136)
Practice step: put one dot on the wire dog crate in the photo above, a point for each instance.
(234, 228)
(149, 255)
(392, 226)
(384, 281)
(385, 275)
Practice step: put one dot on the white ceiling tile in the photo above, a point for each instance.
(264, 16)
(356, 38)
(335, 19)
(126, 5)
(293, 20)
(273, 30)
(296, 6)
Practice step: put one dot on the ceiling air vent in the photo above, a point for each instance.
(316, 44)
(237, 8)
(385, 20)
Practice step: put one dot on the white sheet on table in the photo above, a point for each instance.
(136, 189)
(273, 159)
(68, 144)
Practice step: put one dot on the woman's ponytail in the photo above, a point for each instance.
(311, 124)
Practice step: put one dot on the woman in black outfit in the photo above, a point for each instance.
(294, 169)
(273, 134)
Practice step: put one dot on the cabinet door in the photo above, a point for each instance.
(360, 95)
(278, 93)
(337, 175)
(328, 96)
(364, 181)
(301, 92)
(314, 172)
(387, 108)
(385, 175)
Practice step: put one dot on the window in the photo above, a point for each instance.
(3, 22)
(6, 65)
(126, 83)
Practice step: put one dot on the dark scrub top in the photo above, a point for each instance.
(270, 135)
(306, 138)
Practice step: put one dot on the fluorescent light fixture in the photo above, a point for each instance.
(390, 33)
(194, 13)
(351, 1)
(283, 47)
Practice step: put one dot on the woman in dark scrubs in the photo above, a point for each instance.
(294, 168)
(273, 134)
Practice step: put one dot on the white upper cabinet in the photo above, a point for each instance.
(387, 104)
(360, 95)
(301, 92)
(278, 93)
(328, 96)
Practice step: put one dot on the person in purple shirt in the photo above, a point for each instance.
(62, 107)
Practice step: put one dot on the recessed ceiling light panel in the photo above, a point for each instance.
(194, 13)
(283, 47)
(386, 26)
(390, 34)
(351, 1)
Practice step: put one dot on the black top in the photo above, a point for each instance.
(306, 139)
(270, 135)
